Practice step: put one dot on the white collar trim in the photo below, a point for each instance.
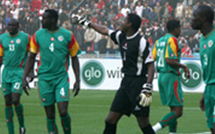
(131, 37)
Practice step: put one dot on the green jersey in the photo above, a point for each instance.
(54, 48)
(207, 54)
(13, 49)
(166, 47)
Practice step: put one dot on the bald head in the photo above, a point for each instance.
(13, 26)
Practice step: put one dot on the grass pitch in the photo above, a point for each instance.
(89, 109)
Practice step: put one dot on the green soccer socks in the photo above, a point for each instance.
(52, 127)
(169, 119)
(173, 127)
(9, 118)
(66, 124)
(20, 115)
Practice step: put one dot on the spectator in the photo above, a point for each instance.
(153, 16)
(125, 10)
(159, 10)
(186, 50)
(121, 3)
(139, 9)
(100, 4)
(15, 12)
(146, 10)
(102, 45)
(89, 37)
(179, 11)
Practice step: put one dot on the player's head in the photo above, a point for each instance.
(203, 14)
(174, 27)
(131, 21)
(13, 26)
(50, 18)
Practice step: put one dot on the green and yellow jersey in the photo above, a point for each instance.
(207, 54)
(55, 48)
(166, 47)
(13, 49)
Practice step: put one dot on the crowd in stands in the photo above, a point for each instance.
(154, 14)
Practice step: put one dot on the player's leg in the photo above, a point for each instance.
(46, 93)
(173, 97)
(120, 105)
(65, 117)
(50, 114)
(16, 95)
(178, 110)
(19, 111)
(62, 95)
(145, 125)
(9, 113)
(111, 122)
(7, 92)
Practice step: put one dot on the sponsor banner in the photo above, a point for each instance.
(105, 74)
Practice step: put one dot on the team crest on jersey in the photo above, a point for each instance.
(60, 38)
(172, 55)
(125, 46)
(11, 41)
(204, 46)
(52, 39)
(210, 43)
(18, 41)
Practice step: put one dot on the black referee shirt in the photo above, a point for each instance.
(135, 53)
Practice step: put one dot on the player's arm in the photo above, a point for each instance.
(76, 70)
(171, 56)
(73, 51)
(34, 48)
(31, 73)
(1, 54)
(99, 28)
(28, 67)
(146, 92)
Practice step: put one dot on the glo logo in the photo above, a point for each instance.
(195, 76)
(93, 73)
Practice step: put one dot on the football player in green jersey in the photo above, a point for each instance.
(13, 52)
(54, 44)
(167, 54)
(202, 20)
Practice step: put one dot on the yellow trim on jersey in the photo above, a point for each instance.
(33, 47)
(154, 51)
(172, 45)
(74, 50)
(1, 51)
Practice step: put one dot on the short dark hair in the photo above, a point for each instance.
(172, 25)
(52, 13)
(207, 12)
(135, 21)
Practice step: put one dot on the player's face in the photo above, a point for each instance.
(12, 27)
(46, 20)
(178, 32)
(196, 22)
(124, 24)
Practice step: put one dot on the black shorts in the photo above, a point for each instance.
(125, 100)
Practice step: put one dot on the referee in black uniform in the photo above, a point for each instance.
(138, 69)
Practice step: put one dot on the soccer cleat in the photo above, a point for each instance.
(22, 130)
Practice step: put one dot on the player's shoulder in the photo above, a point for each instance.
(24, 34)
(4, 35)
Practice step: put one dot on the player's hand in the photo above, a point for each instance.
(76, 88)
(145, 97)
(187, 72)
(202, 103)
(31, 76)
(81, 20)
(25, 86)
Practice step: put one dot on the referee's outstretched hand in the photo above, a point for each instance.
(25, 86)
